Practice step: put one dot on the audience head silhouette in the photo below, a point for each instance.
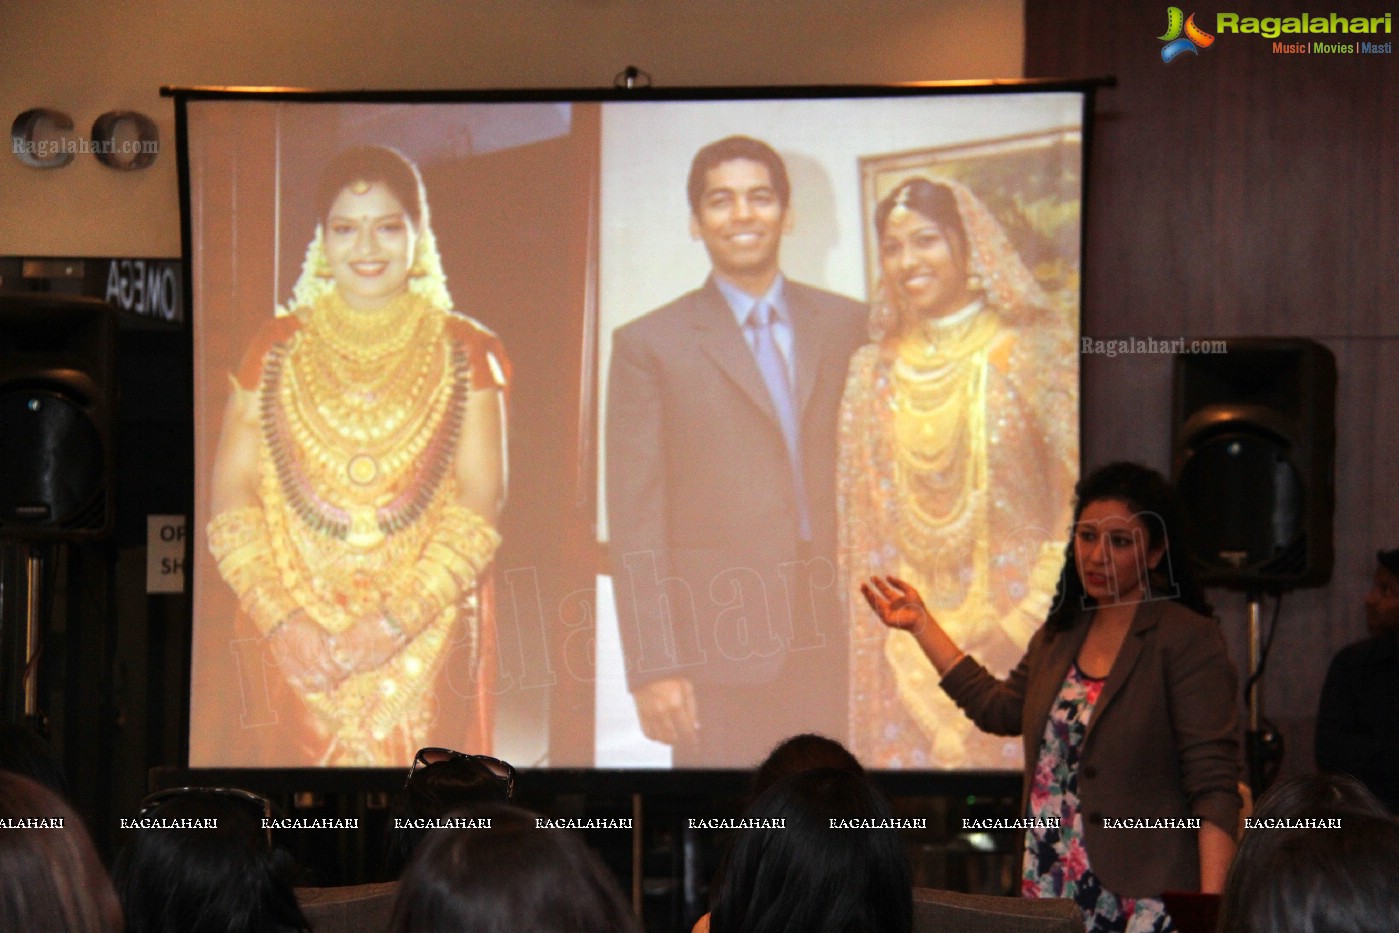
(805, 752)
(510, 877)
(1334, 880)
(804, 873)
(222, 879)
(1252, 893)
(457, 782)
(50, 877)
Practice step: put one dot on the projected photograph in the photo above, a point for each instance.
(566, 430)
(923, 422)
(959, 440)
(391, 309)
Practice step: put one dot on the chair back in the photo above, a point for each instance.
(937, 911)
(354, 908)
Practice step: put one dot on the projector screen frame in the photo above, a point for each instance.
(651, 779)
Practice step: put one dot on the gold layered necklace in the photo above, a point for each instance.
(361, 412)
(938, 397)
(938, 387)
(364, 375)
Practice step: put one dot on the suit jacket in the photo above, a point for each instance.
(1162, 741)
(711, 581)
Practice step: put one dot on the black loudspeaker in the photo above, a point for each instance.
(1253, 459)
(57, 406)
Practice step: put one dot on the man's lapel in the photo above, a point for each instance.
(807, 345)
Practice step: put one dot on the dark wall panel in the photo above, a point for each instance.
(1238, 192)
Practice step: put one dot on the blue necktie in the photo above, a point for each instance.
(774, 370)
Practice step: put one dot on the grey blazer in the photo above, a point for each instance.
(1163, 741)
(701, 514)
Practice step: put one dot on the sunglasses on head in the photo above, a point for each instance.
(501, 770)
(256, 805)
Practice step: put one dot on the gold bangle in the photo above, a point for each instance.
(241, 547)
(451, 561)
(234, 529)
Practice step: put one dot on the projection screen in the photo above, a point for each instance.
(490, 456)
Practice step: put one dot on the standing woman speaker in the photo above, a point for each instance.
(1127, 704)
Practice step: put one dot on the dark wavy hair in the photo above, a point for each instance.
(1150, 498)
(226, 879)
(508, 878)
(432, 792)
(805, 752)
(50, 879)
(373, 164)
(727, 150)
(1318, 795)
(934, 201)
(1325, 879)
(807, 875)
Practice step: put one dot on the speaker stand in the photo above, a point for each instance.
(1262, 743)
(21, 628)
(1255, 693)
(33, 643)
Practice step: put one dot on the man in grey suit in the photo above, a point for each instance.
(721, 452)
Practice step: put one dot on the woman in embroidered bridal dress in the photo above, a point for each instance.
(957, 464)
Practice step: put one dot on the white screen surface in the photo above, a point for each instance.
(556, 224)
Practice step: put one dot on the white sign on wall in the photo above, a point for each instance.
(165, 553)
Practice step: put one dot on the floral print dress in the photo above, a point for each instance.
(1056, 860)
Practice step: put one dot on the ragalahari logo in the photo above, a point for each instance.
(1193, 38)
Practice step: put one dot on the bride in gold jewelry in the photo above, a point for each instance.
(957, 461)
(358, 480)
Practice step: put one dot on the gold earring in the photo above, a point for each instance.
(418, 268)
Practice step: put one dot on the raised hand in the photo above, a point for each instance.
(897, 604)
